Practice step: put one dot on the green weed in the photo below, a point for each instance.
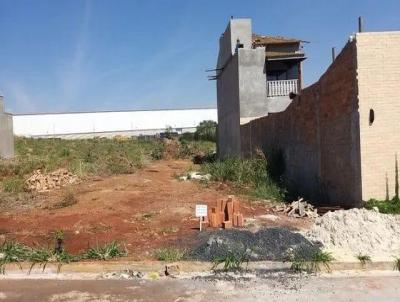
(250, 175)
(396, 265)
(12, 252)
(169, 254)
(384, 206)
(13, 184)
(302, 261)
(105, 252)
(364, 259)
(231, 261)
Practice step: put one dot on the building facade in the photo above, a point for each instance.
(255, 76)
(76, 125)
(340, 137)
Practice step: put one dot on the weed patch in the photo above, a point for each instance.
(384, 206)
(364, 259)
(310, 262)
(231, 261)
(13, 184)
(169, 254)
(248, 174)
(107, 251)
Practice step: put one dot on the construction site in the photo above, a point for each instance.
(279, 187)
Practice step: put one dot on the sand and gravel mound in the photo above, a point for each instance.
(348, 233)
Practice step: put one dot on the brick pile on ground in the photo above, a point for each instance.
(40, 182)
(348, 233)
(273, 244)
(226, 214)
(297, 209)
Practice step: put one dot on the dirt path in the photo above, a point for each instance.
(145, 210)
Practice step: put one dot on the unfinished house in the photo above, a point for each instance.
(339, 138)
(6, 133)
(255, 75)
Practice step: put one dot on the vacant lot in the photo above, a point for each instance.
(128, 191)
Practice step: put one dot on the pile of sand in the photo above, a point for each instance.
(348, 233)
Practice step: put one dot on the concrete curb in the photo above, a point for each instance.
(98, 267)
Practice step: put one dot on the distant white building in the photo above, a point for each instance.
(109, 124)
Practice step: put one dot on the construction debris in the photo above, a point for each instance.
(195, 176)
(225, 214)
(297, 209)
(44, 182)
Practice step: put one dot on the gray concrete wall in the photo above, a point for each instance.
(252, 83)
(278, 103)
(6, 133)
(228, 110)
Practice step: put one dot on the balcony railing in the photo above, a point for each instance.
(282, 88)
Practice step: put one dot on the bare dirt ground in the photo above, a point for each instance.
(145, 211)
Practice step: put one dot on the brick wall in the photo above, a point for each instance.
(317, 135)
(378, 59)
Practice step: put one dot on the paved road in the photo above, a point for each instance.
(281, 288)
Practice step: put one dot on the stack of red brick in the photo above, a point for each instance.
(225, 214)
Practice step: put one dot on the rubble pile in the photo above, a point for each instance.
(297, 209)
(44, 182)
(358, 231)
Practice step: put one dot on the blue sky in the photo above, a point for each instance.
(77, 55)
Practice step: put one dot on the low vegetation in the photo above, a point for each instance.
(231, 261)
(364, 259)
(14, 252)
(85, 157)
(169, 254)
(384, 206)
(311, 262)
(105, 252)
(250, 175)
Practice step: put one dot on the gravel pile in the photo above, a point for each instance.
(358, 231)
(266, 244)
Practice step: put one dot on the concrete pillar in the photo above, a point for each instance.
(6, 132)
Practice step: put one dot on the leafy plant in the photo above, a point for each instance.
(364, 259)
(384, 206)
(169, 254)
(12, 252)
(39, 257)
(206, 130)
(231, 261)
(301, 261)
(105, 252)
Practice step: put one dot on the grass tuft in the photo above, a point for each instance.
(107, 251)
(311, 263)
(231, 261)
(169, 254)
(364, 259)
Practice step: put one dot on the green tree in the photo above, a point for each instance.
(206, 130)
